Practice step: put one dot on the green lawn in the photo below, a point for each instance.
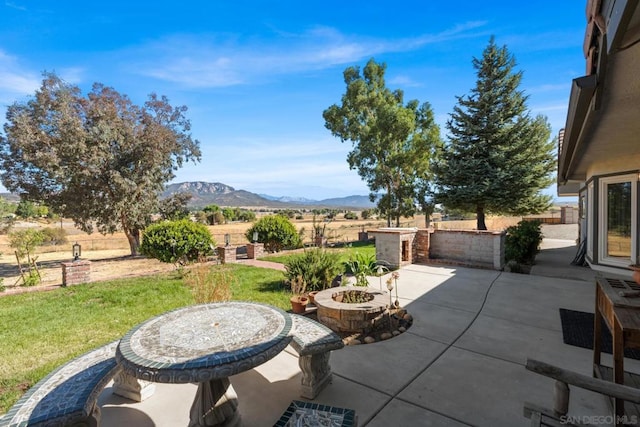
(41, 330)
(366, 248)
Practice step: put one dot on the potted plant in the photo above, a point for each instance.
(298, 300)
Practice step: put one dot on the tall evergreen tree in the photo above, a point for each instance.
(392, 141)
(497, 158)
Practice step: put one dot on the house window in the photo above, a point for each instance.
(617, 228)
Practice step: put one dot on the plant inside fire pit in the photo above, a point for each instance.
(353, 297)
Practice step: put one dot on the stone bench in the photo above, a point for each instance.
(67, 396)
(313, 342)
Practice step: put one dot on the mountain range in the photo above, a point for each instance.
(216, 193)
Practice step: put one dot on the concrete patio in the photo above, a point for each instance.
(461, 363)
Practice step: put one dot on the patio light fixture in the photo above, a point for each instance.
(395, 277)
(76, 251)
(255, 237)
(380, 270)
(227, 239)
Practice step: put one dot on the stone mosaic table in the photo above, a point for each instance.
(206, 344)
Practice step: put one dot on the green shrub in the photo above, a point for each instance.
(522, 242)
(316, 267)
(25, 241)
(277, 232)
(350, 215)
(31, 278)
(178, 242)
(362, 265)
(54, 236)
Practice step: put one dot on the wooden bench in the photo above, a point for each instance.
(558, 414)
(67, 396)
(313, 342)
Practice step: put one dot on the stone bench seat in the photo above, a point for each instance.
(313, 342)
(68, 395)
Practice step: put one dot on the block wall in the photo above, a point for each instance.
(472, 247)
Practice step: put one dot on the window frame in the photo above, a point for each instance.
(603, 258)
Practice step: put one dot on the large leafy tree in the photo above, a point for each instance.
(99, 159)
(498, 158)
(392, 141)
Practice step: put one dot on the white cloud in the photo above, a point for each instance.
(13, 5)
(404, 81)
(15, 81)
(222, 60)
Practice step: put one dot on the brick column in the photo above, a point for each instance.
(76, 272)
(255, 250)
(226, 254)
(421, 246)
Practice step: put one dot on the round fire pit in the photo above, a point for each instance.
(351, 317)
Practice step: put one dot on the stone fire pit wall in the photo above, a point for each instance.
(344, 317)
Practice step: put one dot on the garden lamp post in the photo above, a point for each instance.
(395, 277)
(76, 250)
(255, 237)
(227, 239)
(380, 270)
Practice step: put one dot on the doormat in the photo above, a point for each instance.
(577, 330)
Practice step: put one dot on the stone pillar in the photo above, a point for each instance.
(498, 250)
(316, 373)
(128, 386)
(76, 272)
(226, 254)
(255, 250)
(421, 246)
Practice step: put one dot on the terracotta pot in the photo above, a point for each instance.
(299, 303)
(312, 296)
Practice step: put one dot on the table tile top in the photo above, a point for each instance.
(204, 342)
(621, 293)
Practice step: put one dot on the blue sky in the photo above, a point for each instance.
(257, 76)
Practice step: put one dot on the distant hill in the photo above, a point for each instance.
(362, 202)
(289, 199)
(208, 193)
(216, 193)
(10, 197)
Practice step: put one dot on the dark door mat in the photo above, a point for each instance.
(577, 330)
